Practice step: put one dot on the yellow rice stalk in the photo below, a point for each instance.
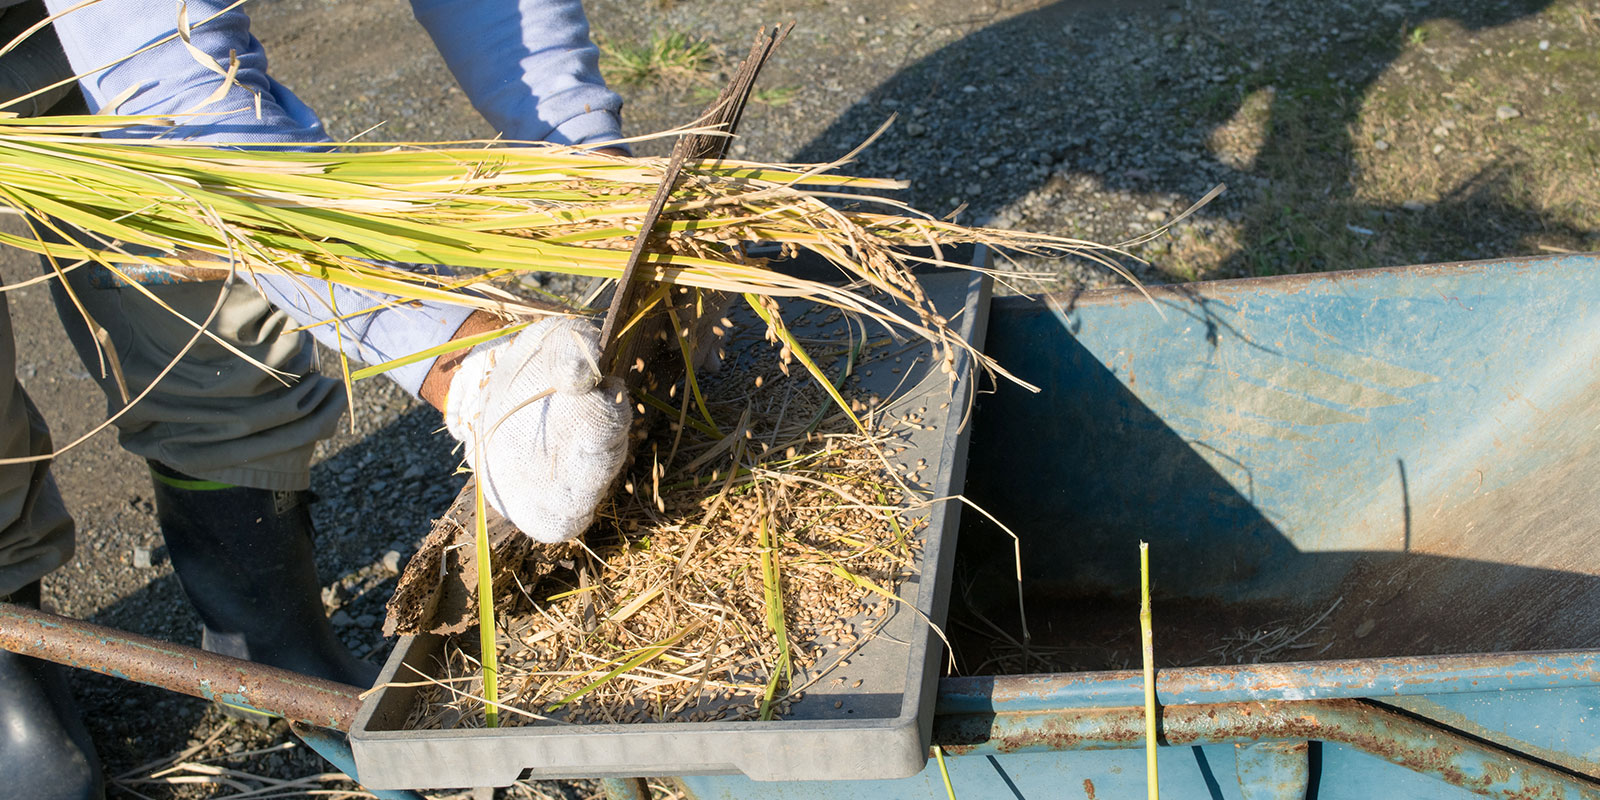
(488, 211)
(1147, 642)
(486, 626)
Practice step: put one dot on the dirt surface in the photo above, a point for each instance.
(1350, 135)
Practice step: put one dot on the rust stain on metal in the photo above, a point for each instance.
(1088, 789)
(1395, 738)
(1363, 725)
(177, 668)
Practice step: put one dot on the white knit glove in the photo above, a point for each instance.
(551, 433)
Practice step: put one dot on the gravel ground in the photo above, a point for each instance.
(1349, 135)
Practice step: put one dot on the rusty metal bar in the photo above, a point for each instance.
(1325, 680)
(187, 670)
(1398, 738)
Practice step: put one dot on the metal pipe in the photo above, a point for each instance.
(187, 670)
(1325, 680)
(1368, 727)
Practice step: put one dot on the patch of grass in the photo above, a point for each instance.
(776, 96)
(666, 58)
(1540, 160)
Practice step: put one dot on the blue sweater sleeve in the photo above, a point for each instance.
(529, 68)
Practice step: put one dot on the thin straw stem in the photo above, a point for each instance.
(944, 772)
(491, 670)
(1147, 638)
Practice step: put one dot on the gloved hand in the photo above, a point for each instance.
(551, 433)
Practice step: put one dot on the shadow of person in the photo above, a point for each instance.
(1082, 119)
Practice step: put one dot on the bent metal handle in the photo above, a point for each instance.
(187, 670)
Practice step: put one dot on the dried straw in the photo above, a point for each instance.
(744, 557)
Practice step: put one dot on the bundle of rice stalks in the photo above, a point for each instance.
(358, 215)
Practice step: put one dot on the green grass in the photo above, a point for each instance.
(777, 96)
(666, 58)
(488, 655)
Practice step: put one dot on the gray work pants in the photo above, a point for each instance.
(214, 416)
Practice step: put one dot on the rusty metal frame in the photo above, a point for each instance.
(319, 711)
(186, 670)
(1372, 728)
(1324, 680)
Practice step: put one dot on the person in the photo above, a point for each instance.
(229, 445)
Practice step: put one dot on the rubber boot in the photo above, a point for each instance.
(245, 560)
(45, 752)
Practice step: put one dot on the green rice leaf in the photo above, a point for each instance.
(772, 583)
(776, 324)
(645, 656)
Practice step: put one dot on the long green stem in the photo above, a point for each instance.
(944, 773)
(1147, 638)
(685, 348)
(647, 655)
(451, 346)
(491, 668)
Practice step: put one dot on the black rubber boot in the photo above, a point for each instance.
(45, 752)
(244, 558)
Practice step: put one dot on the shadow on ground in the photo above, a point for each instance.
(1150, 98)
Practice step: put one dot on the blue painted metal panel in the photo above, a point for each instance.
(1411, 448)
(1348, 774)
(1187, 773)
(1308, 400)
(1556, 725)
(1347, 435)
(1273, 770)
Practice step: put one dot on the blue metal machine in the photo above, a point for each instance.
(1392, 470)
